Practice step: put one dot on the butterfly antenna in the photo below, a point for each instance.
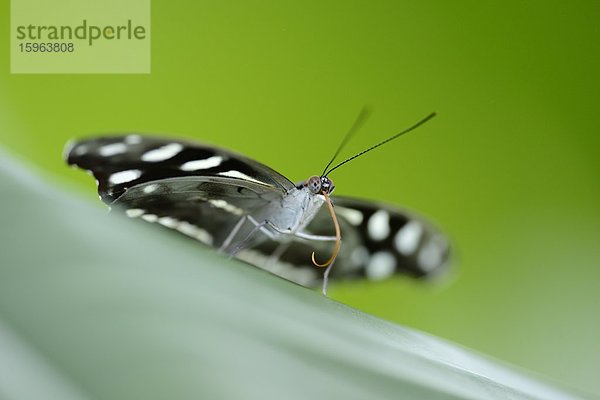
(358, 122)
(397, 135)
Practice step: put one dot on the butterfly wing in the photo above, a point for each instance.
(378, 241)
(388, 240)
(198, 190)
(121, 162)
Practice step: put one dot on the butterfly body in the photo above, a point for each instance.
(247, 210)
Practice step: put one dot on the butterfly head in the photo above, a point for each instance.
(319, 184)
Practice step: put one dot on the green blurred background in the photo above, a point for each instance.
(510, 168)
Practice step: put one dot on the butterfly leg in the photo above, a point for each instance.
(320, 238)
(258, 226)
(262, 227)
(301, 235)
(284, 246)
(232, 234)
(326, 278)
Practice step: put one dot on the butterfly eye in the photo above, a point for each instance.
(314, 184)
(327, 185)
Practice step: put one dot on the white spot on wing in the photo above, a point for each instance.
(112, 149)
(80, 150)
(150, 188)
(359, 257)
(432, 253)
(162, 153)
(240, 175)
(182, 226)
(133, 139)
(379, 225)
(407, 238)
(134, 212)
(150, 217)
(382, 265)
(193, 231)
(196, 165)
(354, 217)
(169, 222)
(222, 204)
(124, 176)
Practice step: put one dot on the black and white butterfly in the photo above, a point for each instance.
(247, 210)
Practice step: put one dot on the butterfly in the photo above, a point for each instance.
(249, 211)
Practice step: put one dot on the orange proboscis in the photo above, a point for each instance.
(338, 235)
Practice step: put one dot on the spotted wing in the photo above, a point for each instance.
(378, 241)
(121, 162)
(198, 190)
